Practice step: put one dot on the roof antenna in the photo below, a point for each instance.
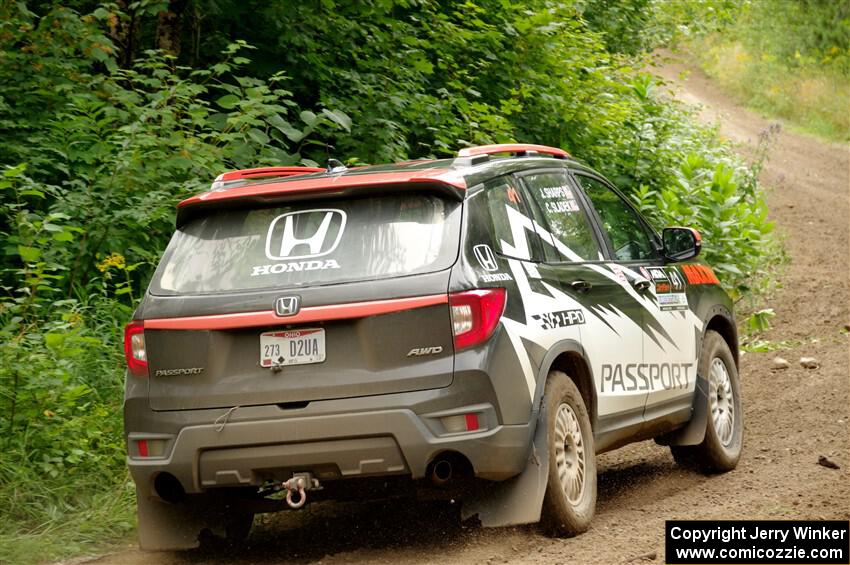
(335, 166)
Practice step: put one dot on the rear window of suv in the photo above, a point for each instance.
(311, 243)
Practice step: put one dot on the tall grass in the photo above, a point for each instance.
(785, 58)
(50, 519)
(811, 97)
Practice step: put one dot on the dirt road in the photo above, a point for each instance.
(791, 416)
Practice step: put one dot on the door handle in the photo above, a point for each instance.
(641, 284)
(581, 286)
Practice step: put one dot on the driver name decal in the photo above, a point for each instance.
(557, 199)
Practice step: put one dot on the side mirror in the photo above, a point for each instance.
(681, 243)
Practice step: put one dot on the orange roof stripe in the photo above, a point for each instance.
(512, 148)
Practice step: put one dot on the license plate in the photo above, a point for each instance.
(292, 347)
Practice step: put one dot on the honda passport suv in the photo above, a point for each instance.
(481, 327)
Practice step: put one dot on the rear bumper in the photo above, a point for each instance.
(398, 434)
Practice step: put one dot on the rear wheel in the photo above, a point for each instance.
(724, 433)
(570, 499)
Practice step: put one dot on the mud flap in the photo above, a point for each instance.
(165, 526)
(694, 432)
(518, 500)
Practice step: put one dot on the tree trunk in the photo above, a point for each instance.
(122, 31)
(197, 18)
(169, 27)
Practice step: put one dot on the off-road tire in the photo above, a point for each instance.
(567, 510)
(713, 455)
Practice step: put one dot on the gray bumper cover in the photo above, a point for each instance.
(348, 445)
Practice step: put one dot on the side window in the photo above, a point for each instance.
(504, 197)
(629, 237)
(567, 221)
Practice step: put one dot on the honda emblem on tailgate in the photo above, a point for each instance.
(287, 305)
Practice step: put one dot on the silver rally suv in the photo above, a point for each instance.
(478, 328)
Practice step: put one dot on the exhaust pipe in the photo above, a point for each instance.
(441, 473)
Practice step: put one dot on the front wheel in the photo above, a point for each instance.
(724, 433)
(570, 499)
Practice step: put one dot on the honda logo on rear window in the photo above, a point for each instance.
(287, 305)
(304, 235)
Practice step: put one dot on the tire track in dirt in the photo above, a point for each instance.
(791, 416)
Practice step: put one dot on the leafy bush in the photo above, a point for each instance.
(60, 384)
(94, 159)
(704, 185)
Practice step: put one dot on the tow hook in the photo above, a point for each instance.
(297, 487)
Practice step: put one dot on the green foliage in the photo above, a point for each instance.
(708, 188)
(802, 33)
(786, 58)
(635, 27)
(626, 27)
(755, 325)
(102, 136)
(94, 158)
(60, 381)
(760, 321)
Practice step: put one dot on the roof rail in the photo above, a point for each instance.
(223, 179)
(516, 148)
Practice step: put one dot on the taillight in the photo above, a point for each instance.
(134, 349)
(458, 423)
(475, 315)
